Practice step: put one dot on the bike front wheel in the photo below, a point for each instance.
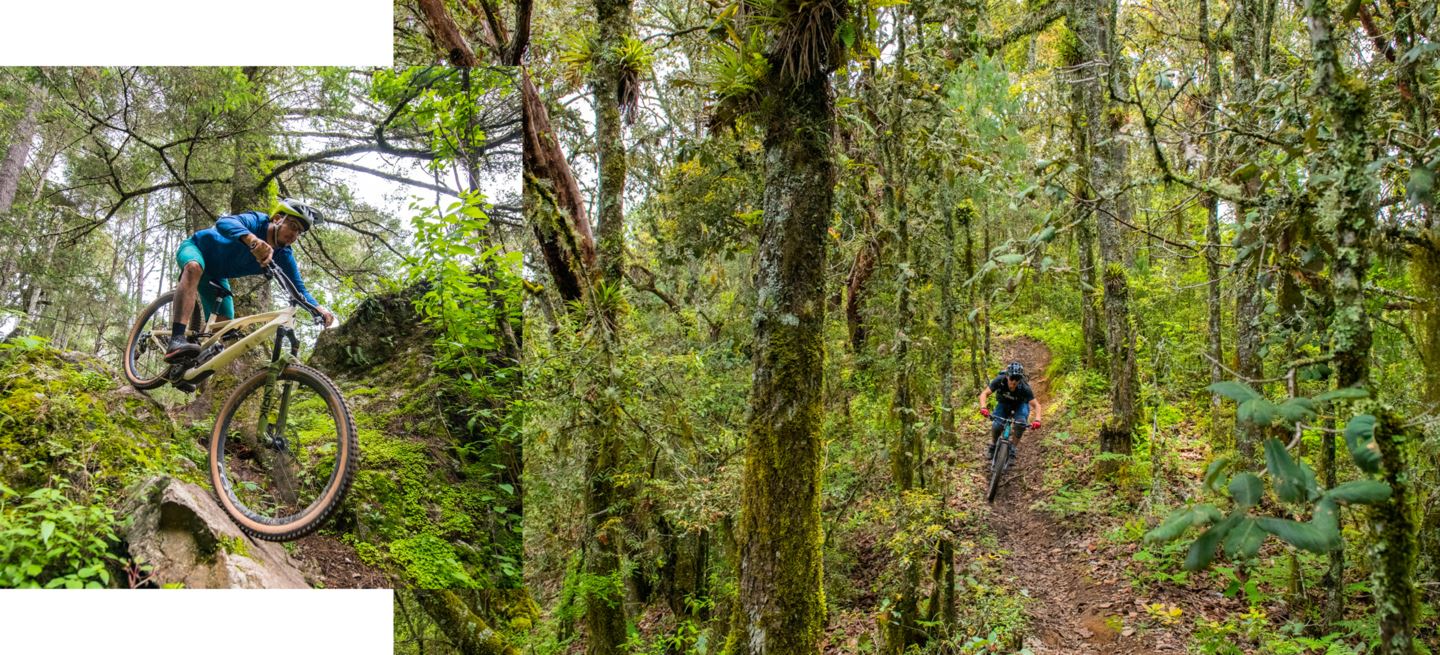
(282, 455)
(997, 469)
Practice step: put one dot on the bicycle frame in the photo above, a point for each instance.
(277, 322)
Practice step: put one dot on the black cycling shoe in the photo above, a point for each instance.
(180, 348)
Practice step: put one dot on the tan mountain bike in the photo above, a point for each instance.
(283, 450)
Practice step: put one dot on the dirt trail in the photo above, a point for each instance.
(1081, 603)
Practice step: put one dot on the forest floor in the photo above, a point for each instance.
(1081, 598)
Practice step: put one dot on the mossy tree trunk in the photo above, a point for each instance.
(467, 631)
(903, 628)
(1092, 339)
(1349, 203)
(781, 603)
(1393, 546)
(18, 149)
(1213, 312)
(605, 593)
(1250, 244)
(1094, 27)
(947, 332)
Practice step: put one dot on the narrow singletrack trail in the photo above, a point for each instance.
(1080, 603)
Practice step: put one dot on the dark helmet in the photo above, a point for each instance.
(1015, 370)
(307, 215)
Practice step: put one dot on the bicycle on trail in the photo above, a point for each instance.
(283, 450)
(1002, 454)
(1015, 402)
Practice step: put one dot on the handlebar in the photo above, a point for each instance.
(993, 417)
(273, 272)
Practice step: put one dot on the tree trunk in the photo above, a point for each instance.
(551, 198)
(1391, 528)
(947, 334)
(466, 630)
(972, 326)
(604, 603)
(1092, 338)
(1250, 243)
(1212, 213)
(1094, 32)
(780, 607)
(20, 141)
(905, 456)
(1351, 198)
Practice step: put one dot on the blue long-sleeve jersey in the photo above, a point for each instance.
(226, 256)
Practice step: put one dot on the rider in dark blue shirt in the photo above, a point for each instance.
(237, 246)
(1014, 401)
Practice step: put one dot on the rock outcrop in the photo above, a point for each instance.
(180, 532)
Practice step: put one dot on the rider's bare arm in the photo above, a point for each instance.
(1035, 411)
(984, 397)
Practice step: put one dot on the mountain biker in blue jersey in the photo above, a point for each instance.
(237, 246)
(1014, 400)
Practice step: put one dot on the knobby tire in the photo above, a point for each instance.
(332, 494)
(997, 468)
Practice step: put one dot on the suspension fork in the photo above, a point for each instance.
(279, 359)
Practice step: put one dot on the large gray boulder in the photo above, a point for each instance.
(179, 530)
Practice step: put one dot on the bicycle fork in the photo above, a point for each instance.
(275, 451)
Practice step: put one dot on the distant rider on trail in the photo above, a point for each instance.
(1014, 401)
(236, 246)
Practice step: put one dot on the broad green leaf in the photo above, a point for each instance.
(1257, 410)
(1206, 513)
(1360, 438)
(1215, 473)
(1236, 391)
(1172, 527)
(1307, 476)
(1202, 552)
(1245, 172)
(1245, 488)
(1326, 519)
(1288, 480)
(1360, 491)
(1348, 393)
(1244, 540)
(1296, 410)
(1302, 534)
(1010, 259)
(47, 528)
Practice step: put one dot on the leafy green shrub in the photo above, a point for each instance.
(48, 540)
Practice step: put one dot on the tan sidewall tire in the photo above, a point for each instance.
(347, 460)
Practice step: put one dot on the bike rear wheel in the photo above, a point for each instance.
(144, 359)
(998, 464)
(282, 456)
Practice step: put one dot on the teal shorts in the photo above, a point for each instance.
(189, 252)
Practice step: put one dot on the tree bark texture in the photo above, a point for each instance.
(1250, 246)
(605, 602)
(552, 203)
(1094, 33)
(1392, 528)
(1348, 202)
(780, 609)
(1092, 339)
(1214, 312)
(21, 138)
(466, 630)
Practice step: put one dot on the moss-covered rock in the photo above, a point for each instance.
(418, 508)
(65, 414)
